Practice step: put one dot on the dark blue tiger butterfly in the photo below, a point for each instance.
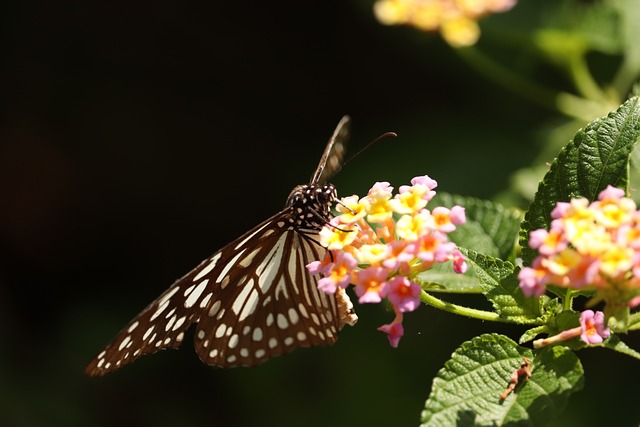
(253, 299)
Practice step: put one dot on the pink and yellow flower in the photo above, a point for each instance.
(592, 328)
(380, 243)
(455, 19)
(592, 246)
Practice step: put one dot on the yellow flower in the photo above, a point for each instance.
(379, 209)
(563, 262)
(352, 209)
(411, 227)
(429, 16)
(411, 200)
(591, 239)
(460, 31)
(372, 254)
(616, 261)
(393, 12)
(336, 236)
(614, 213)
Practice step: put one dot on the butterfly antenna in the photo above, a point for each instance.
(366, 147)
(339, 202)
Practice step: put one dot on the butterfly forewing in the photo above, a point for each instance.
(333, 156)
(253, 299)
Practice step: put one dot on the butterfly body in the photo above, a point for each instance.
(253, 299)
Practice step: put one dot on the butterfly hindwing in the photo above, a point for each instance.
(279, 307)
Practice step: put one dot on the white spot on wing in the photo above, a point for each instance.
(233, 341)
(221, 330)
(169, 294)
(229, 266)
(246, 239)
(124, 342)
(179, 323)
(188, 290)
(293, 316)
(146, 334)
(205, 300)
(196, 293)
(282, 321)
(250, 305)
(162, 307)
(214, 308)
(242, 297)
(208, 268)
(133, 326)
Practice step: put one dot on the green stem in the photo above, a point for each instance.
(458, 309)
(568, 300)
(564, 102)
(583, 79)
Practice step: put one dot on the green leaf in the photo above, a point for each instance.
(466, 392)
(597, 156)
(614, 343)
(499, 282)
(532, 333)
(442, 278)
(491, 228)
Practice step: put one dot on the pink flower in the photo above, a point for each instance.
(611, 193)
(404, 294)
(560, 210)
(593, 329)
(394, 331)
(381, 189)
(441, 218)
(400, 254)
(460, 265)
(532, 281)
(458, 215)
(317, 267)
(434, 247)
(424, 180)
(634, 302)
(338, 274)
(548, 242)
(371, 284)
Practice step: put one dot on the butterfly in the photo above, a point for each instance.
(253, 299)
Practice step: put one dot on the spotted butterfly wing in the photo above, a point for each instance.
(253, 299)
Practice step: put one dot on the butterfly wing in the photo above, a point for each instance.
(277, 309)
(251, 299)
(254, 299)
(333, 156)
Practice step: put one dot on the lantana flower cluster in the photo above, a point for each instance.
(381, 242)
(589, 246)
(455, 19)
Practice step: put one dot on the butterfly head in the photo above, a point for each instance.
(312, 204)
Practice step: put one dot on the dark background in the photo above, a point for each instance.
(136, 138)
